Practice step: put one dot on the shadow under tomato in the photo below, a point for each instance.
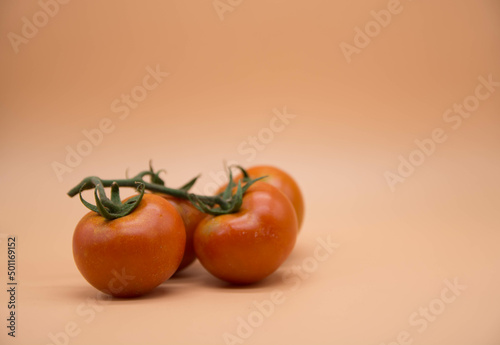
(186, 274)
(274, 280)
(158, 292)
(189, 275)
(94, 294)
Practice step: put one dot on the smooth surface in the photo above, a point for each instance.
(228, 80)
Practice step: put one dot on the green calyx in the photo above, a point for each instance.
(223, 203)
(111, 208)
(226, 201)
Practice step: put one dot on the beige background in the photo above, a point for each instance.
(353, 120)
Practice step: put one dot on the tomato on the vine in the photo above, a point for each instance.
(191, 218)
(131, 255)
(241, 235)
(281, 180)
(246, 246)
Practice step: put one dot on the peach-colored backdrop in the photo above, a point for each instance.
(386, 113)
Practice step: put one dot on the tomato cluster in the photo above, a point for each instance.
(130, 254)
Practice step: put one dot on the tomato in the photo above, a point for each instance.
(247, 246)
(281, 180)
(191, 217)
(131, 255)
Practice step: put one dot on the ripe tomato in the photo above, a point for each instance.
(247, 246)
(131, 255)
(191, 217)
(281, 180)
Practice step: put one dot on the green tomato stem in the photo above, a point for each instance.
(223, 203)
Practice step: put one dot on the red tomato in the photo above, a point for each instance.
(247, 246)
(191, 218)
(131, 255)
(281, 180)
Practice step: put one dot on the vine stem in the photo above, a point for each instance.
(91, 182)
(222, 203)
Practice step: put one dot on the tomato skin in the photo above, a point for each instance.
(191, 217)
(281, 180)
(130, 256)
(247, 246)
